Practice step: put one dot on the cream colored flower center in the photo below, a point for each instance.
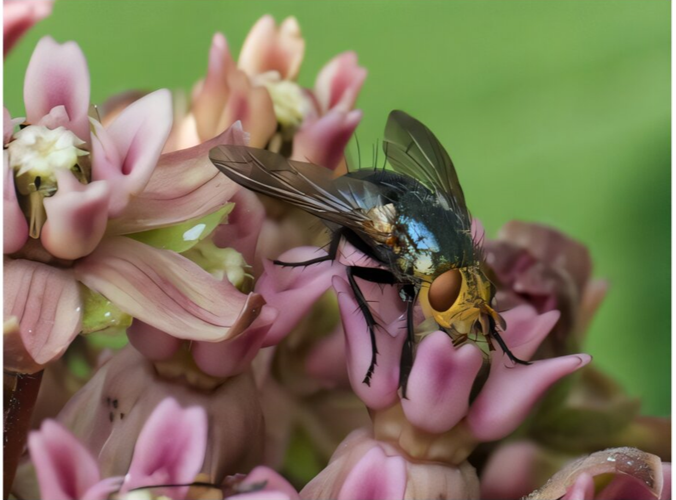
(36, 154)
(289, 101)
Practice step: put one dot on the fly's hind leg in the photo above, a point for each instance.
(333, 251)
(409, 293)
(375, 276)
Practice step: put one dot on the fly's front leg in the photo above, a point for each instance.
(503, 345)
(409, 295)
(373, 275)
(333, 251)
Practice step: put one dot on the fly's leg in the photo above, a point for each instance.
(410, 293)
(503, 346)
(333, 251)
(375, 276)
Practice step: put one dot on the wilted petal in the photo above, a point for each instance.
(339, 82)
(232, 357)
(15, 226)
(170, 448)
(57, 75)
(374, 477)
(510, 471)
(167, 291)
(184, 185)
(154, 344)
(511, 391)
(19, 16)
(583, 489)
(244, 225)
(323, 142)
(300, 286)
(268, 48)
(46, 301)
(381, 392)
(126, 153)
(440, 383)
(642, 467)
(76, 218)
(65, 469)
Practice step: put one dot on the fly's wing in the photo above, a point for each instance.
(413, 150)
(298, 183)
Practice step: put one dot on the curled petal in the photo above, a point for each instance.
(57, 75)
(76, 218)
(212, 96)
(323, 141)
(526, 329)
(126, 153)
(167, 291)
(232, 357)
(19, 16)
(440, 383)
(374, 477)
(629, 463)
(582, 489)
(170, 448)
(15, 226)
(381, 391)
(268, 48)
(184, 185)
(339, 82)
(65, 469)
(46, 302)
(300, 286)
(244, 225)
(511, 391)
(154, 344)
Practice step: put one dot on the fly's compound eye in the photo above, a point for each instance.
(444, 290)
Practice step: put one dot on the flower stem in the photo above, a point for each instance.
(20, 393)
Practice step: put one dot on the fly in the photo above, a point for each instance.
(412, 219)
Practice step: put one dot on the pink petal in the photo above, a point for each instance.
(46, 301)
(300, 286)
(57, 75)
(184, 185)
(375, 477)
(154, 344)
(104, 488)
(65, 468)
(440, 383)
(19, 16)
(170, 448)
(511, 391)
(126, 152)
(323, 142)
(15, 225)
(232, 357)
(526, 329)
(244, 225)
(390, 336)
(326, 360)
(212, 97)
(582, 489)
(268, 48)
(273, 482)
(510, 471)
(339, 82)
(620, 488)
(167, 291)
(76, 218)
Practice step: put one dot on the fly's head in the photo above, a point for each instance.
(460, 300)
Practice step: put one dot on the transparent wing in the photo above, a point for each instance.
(298, 183)
(413, 150)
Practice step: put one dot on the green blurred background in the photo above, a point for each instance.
(557, 112)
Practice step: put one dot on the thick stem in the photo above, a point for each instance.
(21, 392)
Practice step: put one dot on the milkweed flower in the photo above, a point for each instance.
(79, 200)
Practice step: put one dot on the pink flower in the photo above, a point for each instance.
(364, 468)
(637, 475)
(170, 450)
(112, 181)
(19, 16)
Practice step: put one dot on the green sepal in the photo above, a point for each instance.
(100, 314)
(182, 237)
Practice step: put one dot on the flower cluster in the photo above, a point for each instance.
(178, 361)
